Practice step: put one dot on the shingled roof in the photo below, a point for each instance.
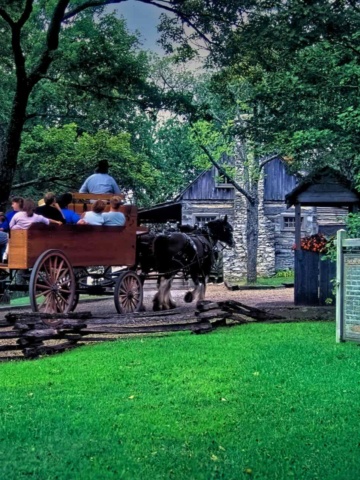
(324, 187)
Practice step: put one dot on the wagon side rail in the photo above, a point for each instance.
(84, 245)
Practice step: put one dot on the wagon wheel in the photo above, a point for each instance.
(52, 284)
(128, 293)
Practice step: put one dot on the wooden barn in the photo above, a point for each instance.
(208, 197)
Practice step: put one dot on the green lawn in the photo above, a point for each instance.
(255, 401)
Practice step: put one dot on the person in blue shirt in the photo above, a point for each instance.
(100, 181)
(4, 227)
(16, 205)
(94, 217)
(114, 217)
(4, 224)
(63, 201)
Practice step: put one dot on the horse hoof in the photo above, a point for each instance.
(188, 297)
(142, 308)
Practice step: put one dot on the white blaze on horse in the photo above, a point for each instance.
(193, 254)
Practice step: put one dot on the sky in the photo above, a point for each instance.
(143, 18)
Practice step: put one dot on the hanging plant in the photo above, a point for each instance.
(314, 243)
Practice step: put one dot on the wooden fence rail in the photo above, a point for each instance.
(37, 334)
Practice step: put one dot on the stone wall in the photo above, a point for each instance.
(235, 259)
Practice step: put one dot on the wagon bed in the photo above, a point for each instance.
(84, 245)
(55, 261)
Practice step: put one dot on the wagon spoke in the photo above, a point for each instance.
(52, 283)
(58, 271)
(128, 292)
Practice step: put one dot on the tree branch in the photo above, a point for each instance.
(39, 180)
(52, 43)
(223, 172)
(103, 3)
(267, 160)
(6, 17)
(26, 13)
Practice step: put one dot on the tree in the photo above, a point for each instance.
(297, 63)
(34, 48)
(62, 157)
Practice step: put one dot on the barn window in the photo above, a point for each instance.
(221, 181)
(200, 220)
(288, 222)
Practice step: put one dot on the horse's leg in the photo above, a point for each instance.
(169, 301)
(199, 289)
(190, 295)
(156, 299)
(160, 299)
(202, 289)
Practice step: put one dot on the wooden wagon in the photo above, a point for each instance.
(57, 264)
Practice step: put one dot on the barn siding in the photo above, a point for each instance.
(277, 182)
(205, 188)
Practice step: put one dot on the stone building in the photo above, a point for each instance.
(208, 197)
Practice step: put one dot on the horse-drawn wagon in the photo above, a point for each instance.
(56, 264)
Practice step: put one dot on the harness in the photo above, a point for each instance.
(186, 261)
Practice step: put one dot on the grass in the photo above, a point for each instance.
(270, 281)
(257, 401)
(275, 281)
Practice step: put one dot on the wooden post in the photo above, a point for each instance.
(340, 237)
(298, 226)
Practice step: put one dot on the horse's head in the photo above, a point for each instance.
(221, 230)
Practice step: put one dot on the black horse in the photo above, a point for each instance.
(193, 253)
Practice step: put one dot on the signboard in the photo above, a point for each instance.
(348, 288)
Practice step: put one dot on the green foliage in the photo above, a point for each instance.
(70, 157)
(142, 408)
(285, 273)
(215, 139)
(352, 221)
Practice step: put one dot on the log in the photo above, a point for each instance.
(139, 329)
(33, 317)
(50, 349)
(238, 307)
(205, 306)
(9, 334)
(202, 328)
(208, 315)
(71, 325)
(240, 318)
(41, 334)
(5, 348)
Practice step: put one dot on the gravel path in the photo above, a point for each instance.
(215, 292)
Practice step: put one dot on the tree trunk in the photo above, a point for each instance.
(11, 146)
(252, 237)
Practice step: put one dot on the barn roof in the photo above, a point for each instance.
(161, 213)
(325, 187)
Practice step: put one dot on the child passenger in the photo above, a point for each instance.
(95, 216)
(114, 217)
(23, 219)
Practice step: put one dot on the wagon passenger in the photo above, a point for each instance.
(16, 205)
(94, 217)
(114, 217)
(22, 220)
(71, 217)
(100, 181)
(51, 208)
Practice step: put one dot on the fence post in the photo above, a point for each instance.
(340, 237)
